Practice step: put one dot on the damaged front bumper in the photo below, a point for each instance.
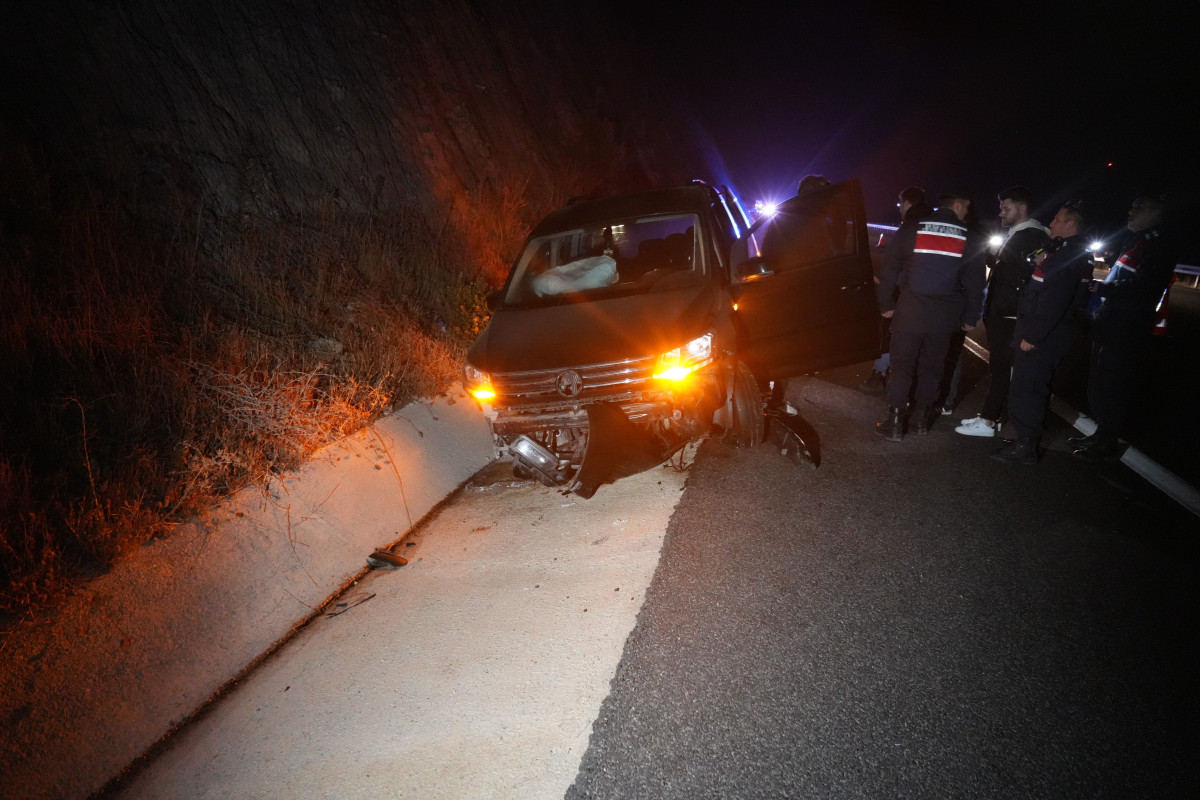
(581, 447)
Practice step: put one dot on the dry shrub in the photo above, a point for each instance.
(147, 381)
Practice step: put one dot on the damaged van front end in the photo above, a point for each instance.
(580, 426)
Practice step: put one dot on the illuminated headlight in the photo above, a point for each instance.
(677, 364)
(479, 383)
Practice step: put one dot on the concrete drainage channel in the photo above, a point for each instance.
(90, 687)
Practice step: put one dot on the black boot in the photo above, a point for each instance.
(922, 418)
(892, 428)
(1085, 441)
(1102, 448)
(1022, 451)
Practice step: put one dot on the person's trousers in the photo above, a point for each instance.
(918, 360)
(952, 375)
(1115, 364)
(1032, 375)
(1000, 363)
(884, 362)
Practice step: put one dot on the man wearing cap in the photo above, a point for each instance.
(1050, 312)
(938, 270)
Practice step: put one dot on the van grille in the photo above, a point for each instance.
(617, 380)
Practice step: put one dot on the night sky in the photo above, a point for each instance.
(928, 93)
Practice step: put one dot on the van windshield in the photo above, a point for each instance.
(606, 259)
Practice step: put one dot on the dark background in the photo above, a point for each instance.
(1073, 100)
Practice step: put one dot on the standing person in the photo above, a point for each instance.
(948, 389)
(1127, 300)
(1050, 312)
(1010, 271)
(930, 285)
(913, 208)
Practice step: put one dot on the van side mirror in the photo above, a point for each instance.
(754, 269)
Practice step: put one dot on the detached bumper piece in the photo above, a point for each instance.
(797, 440)
(616, 448)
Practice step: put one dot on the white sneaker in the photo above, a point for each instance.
(976, 426)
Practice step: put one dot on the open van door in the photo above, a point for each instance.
(807, 300)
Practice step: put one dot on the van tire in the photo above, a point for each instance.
(749, 422)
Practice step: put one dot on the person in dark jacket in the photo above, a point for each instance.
(1124, 314)
(913, 209)
(930, 285)
(1050, 312)
(791, 238)
(1009, 272)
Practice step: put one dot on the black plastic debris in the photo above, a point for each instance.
(797, 440)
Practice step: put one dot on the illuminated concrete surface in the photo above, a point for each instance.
(89, 687)
(474, 671)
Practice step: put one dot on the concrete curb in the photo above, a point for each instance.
(89, 689)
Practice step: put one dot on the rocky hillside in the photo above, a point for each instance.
(230, 231)
(285, 108)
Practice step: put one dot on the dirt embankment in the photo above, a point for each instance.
(286, 107)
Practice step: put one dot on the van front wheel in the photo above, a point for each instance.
(747, 406)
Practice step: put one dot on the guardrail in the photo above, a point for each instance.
(1190, 271)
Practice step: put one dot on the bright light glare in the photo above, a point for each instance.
(765, 208)
(483, 393)
(996, 241)
(1094, 246)
(674, 373)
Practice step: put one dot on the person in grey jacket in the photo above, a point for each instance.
(1010, 271)
(938, 270)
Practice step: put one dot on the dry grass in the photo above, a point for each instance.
(141, 381)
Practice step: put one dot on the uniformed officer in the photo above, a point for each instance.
(1050, 313)
(1127, 300)
(938, 268)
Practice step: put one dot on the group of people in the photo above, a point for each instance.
(1035, 296)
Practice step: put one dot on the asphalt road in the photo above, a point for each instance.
(909, 620)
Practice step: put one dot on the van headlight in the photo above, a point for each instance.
(677, 364)
(479, 383)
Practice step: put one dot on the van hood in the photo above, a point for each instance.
(518, 339)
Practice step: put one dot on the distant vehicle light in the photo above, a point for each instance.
(765, 208)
